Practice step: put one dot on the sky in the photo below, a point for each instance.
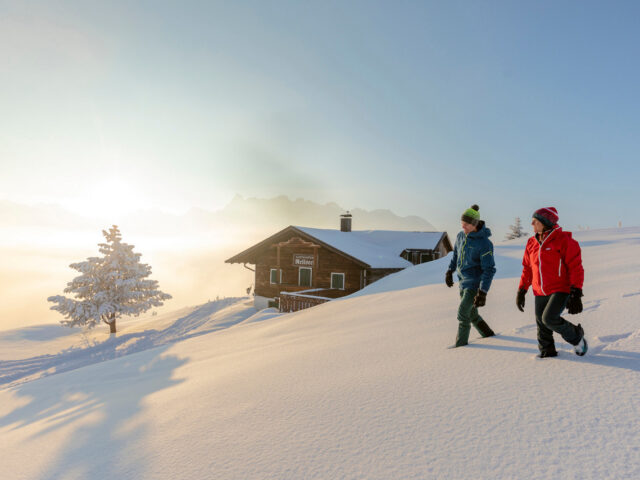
(423, 108)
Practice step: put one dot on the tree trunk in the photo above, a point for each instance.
(111, 321)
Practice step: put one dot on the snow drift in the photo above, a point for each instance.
(362, 387)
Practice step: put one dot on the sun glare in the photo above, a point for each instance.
(109, 199)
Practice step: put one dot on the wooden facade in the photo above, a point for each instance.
(294, 262)
(290, 254)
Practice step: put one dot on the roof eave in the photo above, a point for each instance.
(238, 258)
(242, 256)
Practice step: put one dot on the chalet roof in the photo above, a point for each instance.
(377, 248)
(373, 248)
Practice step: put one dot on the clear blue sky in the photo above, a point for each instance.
(419, 107)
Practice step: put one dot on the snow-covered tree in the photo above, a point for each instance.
(516, 231)
(110, 286)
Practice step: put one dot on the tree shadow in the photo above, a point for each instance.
(197, 322)
(35, 333)
(99, 411)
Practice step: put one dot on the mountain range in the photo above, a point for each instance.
(239, 214)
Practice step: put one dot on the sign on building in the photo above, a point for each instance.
(303, 260)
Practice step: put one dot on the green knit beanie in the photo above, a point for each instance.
(471, 215)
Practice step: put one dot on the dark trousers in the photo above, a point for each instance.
(467, 316)
(548, 319)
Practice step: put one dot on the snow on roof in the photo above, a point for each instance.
(377, 248)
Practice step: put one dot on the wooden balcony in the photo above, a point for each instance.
(299, 300)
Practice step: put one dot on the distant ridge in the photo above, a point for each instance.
(283, 211)
(241, 213)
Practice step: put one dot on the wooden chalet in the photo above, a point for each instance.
(299, 267)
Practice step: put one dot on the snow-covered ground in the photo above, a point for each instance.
(363, 387)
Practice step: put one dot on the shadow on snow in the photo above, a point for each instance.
(598, 355)
(194, 324)
(98, 415)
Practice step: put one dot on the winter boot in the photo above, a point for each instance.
(459, 343)
(581, 347)
(547, 354)
(484, 329)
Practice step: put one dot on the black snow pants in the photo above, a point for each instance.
(548, 319)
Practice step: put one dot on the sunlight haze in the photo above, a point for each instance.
(111, 109)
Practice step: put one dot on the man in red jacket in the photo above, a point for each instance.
(552, 263)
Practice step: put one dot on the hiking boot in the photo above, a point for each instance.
(547, 354)
(582, 347)
(484, 329)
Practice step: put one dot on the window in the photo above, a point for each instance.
(304, 277)
(274, 276)
(409, 256)
(426, 257)
(337, 281)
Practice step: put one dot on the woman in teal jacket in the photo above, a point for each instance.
(474, 264)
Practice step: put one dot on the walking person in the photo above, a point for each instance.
(473, 262)
(552, 263)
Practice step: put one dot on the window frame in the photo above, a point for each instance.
(271, 282)
(431, 256)
(344, 280)
(300, 276)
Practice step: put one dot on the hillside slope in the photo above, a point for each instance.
(358, 388)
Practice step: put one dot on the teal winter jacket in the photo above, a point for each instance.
(473, 259)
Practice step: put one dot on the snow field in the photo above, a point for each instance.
(358, 388)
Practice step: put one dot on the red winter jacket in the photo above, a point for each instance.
(555, 265)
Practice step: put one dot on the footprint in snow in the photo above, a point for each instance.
(598, 344)
(592, 305)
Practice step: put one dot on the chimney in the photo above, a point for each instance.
(345, 222)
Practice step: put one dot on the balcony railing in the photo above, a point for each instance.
(294, 301)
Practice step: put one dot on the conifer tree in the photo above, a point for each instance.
(110, 286)
(516, 231)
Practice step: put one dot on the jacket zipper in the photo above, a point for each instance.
(462, 253)
(560, 268)
(540, 262)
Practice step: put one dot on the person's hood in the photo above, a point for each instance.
(482, 231)
(556, 230)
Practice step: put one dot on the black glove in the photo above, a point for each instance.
(448, 279)
(574, 305)
(520, 299)
(480, 300)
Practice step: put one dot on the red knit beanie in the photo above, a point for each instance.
(547, 216)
